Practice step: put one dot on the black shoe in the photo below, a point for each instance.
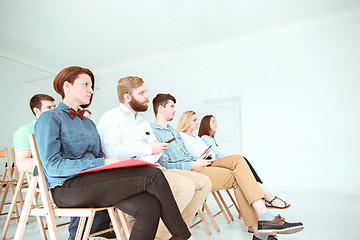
(107, 235)
(279, 226)
(270, 237)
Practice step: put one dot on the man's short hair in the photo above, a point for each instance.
(36, 101)
(127, 85)
(161, 100)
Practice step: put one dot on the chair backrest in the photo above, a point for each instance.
(10, 170)
(6, 177)
(5, 154)
(14, 168)
(38, 169)
(7, 174)
(39, 175)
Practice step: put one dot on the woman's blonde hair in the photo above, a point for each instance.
(184, 121)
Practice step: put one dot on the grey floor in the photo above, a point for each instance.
(324, 215)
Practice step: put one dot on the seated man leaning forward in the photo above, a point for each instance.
(225, 173)
(125, 134)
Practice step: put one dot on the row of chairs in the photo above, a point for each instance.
(8, 182)
(44, 207)
(39, 204)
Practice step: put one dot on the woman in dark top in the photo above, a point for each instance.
(69, 143)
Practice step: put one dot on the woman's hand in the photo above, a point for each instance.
(111, 160)
(201, 162)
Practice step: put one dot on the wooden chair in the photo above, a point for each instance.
(124, 223)
(215, 194)
(21, 186)
(49, 210)
(15, 172)
(224, 208)
(212, 219)
(202, 220)
(233, 204)
(7, 182)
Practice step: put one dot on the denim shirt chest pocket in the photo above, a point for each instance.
(73, 140)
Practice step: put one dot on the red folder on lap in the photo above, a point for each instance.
(122, 164)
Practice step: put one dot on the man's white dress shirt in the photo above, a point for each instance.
(124, 136)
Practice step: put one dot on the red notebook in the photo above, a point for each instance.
(123, 164)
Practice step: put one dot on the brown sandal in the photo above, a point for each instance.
(269, 204)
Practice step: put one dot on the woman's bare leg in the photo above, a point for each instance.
(269, 197)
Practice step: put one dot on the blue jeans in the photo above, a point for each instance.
(101, 222)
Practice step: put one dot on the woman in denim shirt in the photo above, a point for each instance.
(69, 143)
(207, 129)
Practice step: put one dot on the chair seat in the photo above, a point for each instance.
(65, 212)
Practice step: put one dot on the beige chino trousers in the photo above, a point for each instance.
(190, 189)
(233, 172)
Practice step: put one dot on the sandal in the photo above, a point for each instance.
(269, 204)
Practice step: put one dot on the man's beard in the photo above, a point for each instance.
(139, 106)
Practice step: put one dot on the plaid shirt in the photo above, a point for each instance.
(175, 156)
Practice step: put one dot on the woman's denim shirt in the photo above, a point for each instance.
(211, 141)
(66, 146)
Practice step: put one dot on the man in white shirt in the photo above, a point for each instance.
(125, 134)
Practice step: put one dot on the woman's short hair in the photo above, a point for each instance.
(69, 74)
(161, 100)
(184, 121)
(204, 128)
(127, 85)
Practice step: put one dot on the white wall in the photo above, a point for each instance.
(15, 97)
(299, 89)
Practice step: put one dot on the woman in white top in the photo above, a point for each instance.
(196, 147)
